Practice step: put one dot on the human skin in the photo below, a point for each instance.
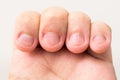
(61, 45)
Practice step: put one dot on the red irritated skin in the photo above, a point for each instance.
(71, 47)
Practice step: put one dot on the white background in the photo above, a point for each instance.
(104, 10)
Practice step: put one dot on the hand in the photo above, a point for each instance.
(58, 45)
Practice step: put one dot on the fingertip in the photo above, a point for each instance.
(79, 25)
(26, 31)
(100, 37)
(53, 28)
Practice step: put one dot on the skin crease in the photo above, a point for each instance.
(62, 62)
(61, 66)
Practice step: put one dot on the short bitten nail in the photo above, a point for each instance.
(26, 40)
(99, 39)
(51, 39)
(76, 39)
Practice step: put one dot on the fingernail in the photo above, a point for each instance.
(51, 38)
(76, 39)
(99, 39)
(25, 40)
